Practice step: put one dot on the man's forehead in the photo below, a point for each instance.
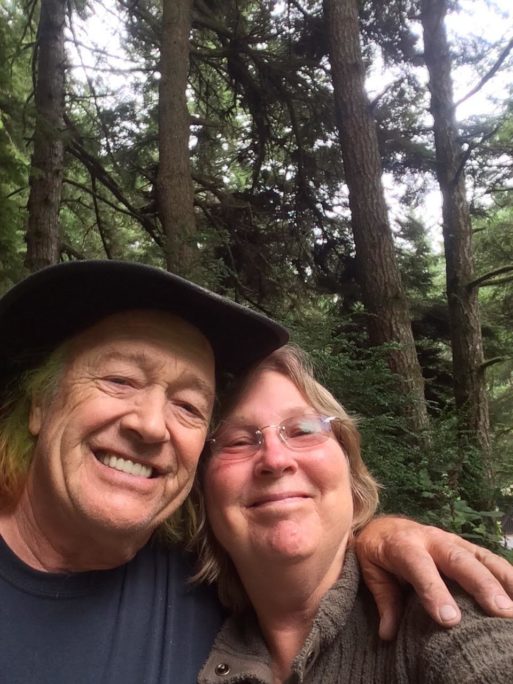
(127, 355)
(145, 324)
(147, 337)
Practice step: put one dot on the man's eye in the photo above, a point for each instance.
(190, 410)
(119, 381)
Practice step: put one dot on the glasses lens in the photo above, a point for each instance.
(235, 441)
(301, 432)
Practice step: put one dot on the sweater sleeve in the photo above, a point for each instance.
(478, 651)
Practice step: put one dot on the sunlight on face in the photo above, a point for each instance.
(279, 504)
(118, 446)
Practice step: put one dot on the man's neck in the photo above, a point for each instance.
(41, 550)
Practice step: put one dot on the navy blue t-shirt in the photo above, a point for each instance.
(140, 623)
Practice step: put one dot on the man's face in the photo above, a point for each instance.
(118, 443)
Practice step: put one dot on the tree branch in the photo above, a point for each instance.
(491, 362)
(95, 168)
(487, 278)
(489, 74)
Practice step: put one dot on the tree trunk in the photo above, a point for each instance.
(174, 182)
(48, 156)
(382, 290)
(466, 341)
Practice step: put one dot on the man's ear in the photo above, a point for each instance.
(35, 417)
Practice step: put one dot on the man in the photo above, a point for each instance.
(107, 381)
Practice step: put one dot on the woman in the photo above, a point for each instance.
(285, 488)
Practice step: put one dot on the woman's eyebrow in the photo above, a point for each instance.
(290, 412)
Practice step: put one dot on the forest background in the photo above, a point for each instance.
(311, 160)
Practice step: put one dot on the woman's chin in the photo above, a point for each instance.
(289, 540)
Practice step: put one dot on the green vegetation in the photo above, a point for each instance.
(273, 222)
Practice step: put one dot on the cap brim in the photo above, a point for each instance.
(46, 308)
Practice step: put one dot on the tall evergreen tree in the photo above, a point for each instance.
(43, 247)
(378, 273)
(175, 198)
(473, 472)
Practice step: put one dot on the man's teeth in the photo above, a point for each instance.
(125, 466)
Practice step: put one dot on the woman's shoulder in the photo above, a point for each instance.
(479, 649)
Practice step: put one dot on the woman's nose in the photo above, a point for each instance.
(274, 456)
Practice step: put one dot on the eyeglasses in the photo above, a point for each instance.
(232, 441)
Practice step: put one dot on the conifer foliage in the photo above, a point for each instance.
(291, 155)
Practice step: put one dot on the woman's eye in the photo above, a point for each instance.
(304, 427)
(238, 441)
(301, 432)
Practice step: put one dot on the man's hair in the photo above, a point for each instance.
(215, 564)
(16, 441)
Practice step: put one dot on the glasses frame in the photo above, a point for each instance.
(280, 431)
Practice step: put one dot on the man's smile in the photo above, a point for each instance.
(125, 465)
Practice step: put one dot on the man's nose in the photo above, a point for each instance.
(274, 457)
(147, 416)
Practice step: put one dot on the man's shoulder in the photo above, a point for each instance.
(170, 566)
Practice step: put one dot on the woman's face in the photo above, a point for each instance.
(279, 504)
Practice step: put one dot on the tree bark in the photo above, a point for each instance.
(379, 278)
(46, 172)
(175, 196)
(475, 474)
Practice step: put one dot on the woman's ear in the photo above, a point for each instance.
(35, 417)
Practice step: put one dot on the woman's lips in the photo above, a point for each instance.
(277, 497)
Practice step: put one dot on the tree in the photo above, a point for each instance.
(15, 88)
(175, 196)
(378, 273)
(46, 172)
(470, 393)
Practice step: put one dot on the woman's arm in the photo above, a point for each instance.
(392, 549)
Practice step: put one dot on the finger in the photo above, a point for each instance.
(500, 568)
(486, 577)
(389, 600)
(388, 595)
(420, 571)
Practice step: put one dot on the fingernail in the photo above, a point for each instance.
(503, 602)
(448, 613)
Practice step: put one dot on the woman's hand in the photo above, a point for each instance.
(392, 549)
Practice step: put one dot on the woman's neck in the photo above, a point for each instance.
(285, 636)
(286, 598)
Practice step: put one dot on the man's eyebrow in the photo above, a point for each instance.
(139, 358)
(188, 379)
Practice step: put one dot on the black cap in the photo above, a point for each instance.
(46, 308)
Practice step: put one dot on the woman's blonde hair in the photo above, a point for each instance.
(215, 564)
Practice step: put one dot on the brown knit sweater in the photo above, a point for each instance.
(343, 645)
